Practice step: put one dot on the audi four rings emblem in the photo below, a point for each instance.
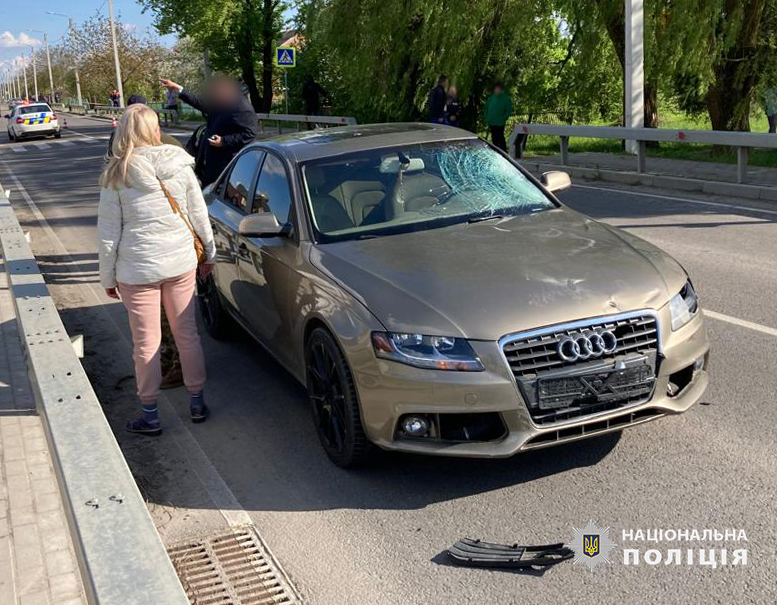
(581, 346)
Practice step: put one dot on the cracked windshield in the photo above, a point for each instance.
(415, 187)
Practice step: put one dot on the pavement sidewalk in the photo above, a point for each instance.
(689, 169)
(37, 560)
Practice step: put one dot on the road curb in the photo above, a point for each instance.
(751, 192)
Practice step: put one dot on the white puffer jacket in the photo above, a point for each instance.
(142, 240)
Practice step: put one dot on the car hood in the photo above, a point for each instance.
(484, 280)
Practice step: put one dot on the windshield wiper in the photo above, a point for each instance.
(480, 219)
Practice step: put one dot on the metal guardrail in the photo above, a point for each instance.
(742, 141)
(121, 557)
(107, 110)
(280, 118)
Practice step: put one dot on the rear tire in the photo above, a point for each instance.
(334, 402)
(218, 323)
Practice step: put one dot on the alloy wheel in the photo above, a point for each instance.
(328, 398)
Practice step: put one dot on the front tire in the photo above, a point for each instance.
(218, 323)
(334, 402)
(58, 134)
(10, 136)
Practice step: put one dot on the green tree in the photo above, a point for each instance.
(240, 36)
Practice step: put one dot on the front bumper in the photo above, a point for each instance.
(388, 390)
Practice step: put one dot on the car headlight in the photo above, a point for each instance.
(684, 305)
(431, 352)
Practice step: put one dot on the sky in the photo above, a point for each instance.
(16, 21)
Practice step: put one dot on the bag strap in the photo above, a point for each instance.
(176, 208)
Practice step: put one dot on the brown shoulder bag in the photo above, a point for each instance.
(199, 249)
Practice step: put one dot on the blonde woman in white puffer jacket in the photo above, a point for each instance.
(147, 255)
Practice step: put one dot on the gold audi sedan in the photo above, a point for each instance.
(436, 298)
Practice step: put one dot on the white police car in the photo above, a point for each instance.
(33, 120)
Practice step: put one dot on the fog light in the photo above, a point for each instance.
(415, 426)
(698, 364)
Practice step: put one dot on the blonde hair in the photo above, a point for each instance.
(138, 127)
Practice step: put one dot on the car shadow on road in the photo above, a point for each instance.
(262, 442)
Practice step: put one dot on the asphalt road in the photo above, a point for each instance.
(376, 535)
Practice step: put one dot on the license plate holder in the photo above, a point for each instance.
(621, 380)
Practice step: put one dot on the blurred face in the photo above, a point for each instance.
(498, 90)
(452, 91)
(222, 92)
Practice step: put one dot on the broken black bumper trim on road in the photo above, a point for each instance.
(474, 553)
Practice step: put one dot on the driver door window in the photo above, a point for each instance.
(238, 186)
(272, 190)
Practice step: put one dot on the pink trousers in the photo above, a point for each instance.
(142, 303)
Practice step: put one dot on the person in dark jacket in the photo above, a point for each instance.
(452, 107)
(437, 99)
(230, 124)
(312, 92)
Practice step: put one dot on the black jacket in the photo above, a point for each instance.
(453, 111)
(437, 100)
(236, 127)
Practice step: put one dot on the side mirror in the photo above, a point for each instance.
(263, 224)
(556, 181)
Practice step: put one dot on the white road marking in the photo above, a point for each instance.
(222, 496)
(66, 143)
(743, 323)
(18, 148)
(89, 136)
(42, 145)
(680, 199)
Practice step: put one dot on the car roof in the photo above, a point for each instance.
(315, 144)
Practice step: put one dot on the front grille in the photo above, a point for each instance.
(558, 390)
(537, 354)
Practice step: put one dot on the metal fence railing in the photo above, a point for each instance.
(298, 120)
(743, 142)
(172, 117)
(121, 557)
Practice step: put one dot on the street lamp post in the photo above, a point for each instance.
(634, 87)
(24, 72)
(119, 86)
(48, 59)
(75, 69)
(34, 72)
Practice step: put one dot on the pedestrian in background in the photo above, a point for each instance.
(437, 98)
(171, 101)
(452, 107)
(312, 92)
(151, 207)
(770, 107)
(230, 126)
(499, 108)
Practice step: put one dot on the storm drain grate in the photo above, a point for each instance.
(231, 569)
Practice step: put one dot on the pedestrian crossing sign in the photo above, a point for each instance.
(286, 56)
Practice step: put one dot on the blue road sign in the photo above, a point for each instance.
(286, 57)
